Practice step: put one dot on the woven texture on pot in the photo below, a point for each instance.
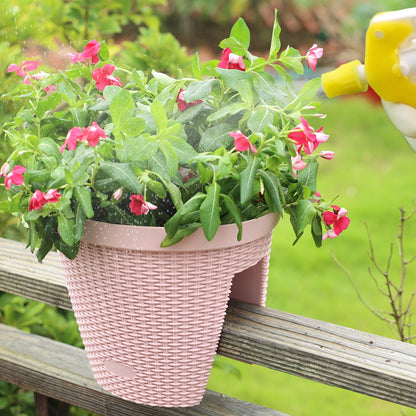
(151, 321)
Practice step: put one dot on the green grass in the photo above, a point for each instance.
(373, 174)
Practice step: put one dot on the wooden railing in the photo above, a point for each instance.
(316, 350)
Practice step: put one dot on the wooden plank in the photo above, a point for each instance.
(327, 353)
(22, 274)
(321, 351)
(61, 371)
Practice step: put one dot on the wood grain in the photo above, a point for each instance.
(62, 372)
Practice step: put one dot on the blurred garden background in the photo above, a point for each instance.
(373, 169)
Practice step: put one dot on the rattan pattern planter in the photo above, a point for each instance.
(150, 318)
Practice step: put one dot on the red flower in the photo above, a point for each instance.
(93, 134)
(39, 199)
(23, 69)
(241, 142)
(139, 206)
(14, 177)
(231, 61)
(103, 77)
(182, 104)
(337, 218)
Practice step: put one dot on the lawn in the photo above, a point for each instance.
(373, 175)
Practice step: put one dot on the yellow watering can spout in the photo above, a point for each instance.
(347, 79)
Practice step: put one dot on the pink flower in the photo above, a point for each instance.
(39, 199)
(23, 69)
(312, 56)
(297, 164)
(39, 77)
(306, 137)
(14, 177)
(91, 51)
(72, 139)
(241, 142)
(103, 77)
(89, 54)
(93, 134)
(231, 61)
(139, 206)
(52, 195)
(5, 169)
(317, 198)
(182, 104)
(327, 154)
(118, 194)
(338, 219)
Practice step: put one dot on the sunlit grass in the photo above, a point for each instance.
(373, 174)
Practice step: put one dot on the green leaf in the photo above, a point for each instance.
(49, 147)
(272, 186)
(307, 176)
(232, 77)
(241, 32)
(196, 67)
(182, 232)
(110, 92)
(246, 92)
(235, 213)
(193, 204)
(83, 196)
(292, 59)
(80, 219)
(247, 179)
(316, 230)
(121, 103)
(170, 156)
(210, 211)
(45, 247)
(104, 54)
(306, 94)
(275, 42)
(227, 111)
(66, 227)
(199, 90)
(237, 47)
(305, 212)
(175, 194)
(111, 175)
(79, 116)
(139, 149)
(184, 151)
(259, 119)
(216, 137)
(159, 116)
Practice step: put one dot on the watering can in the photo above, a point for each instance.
(389, 68)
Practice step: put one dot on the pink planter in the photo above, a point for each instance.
(151, 317)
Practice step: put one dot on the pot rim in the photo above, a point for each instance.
(133, 237)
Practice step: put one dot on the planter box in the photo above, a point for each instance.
(151, 317)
